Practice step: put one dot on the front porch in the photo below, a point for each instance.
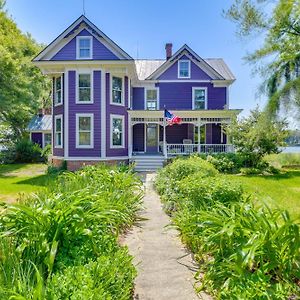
(199, 132)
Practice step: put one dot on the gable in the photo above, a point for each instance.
(196, 72)
(64, 46)
(100, 51)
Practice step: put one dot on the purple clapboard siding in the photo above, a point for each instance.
(138, 98)
(196, 73)
(213, 134)
(58, 110)
(178, 96)
(138, 138)
(37, 138)
(94, 108)
(116, 110)
(100, 52)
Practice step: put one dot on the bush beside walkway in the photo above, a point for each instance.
(62, 243)
(244, 252)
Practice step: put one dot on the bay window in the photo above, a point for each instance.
(57, 90)
(117, 90)
(84, 84)
(58, 131)
(117, 138)
(84, 130)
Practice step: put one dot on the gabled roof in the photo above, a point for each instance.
(40, 123)
(216, 68)
(95, 31)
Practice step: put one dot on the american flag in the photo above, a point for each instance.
(171, 118)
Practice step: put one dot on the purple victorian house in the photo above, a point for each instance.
(109, 107)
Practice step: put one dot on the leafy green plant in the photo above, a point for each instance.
(26, 151)
(72, 224)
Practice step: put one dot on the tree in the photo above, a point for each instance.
(279, 21)
(256, 136)
(23, 87)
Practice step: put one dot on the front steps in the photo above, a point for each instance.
(147, 163)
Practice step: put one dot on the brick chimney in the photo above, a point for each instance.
(168, 50)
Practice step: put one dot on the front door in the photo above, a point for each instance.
(152, 138)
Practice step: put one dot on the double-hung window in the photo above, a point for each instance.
(117, 131)
(57, 90)
(84, 94)
(117, 90)
(84, 47)
(84, 130)
(58, 131)
(47, 139)
(184, 69)
(151, 99)
(199, 98)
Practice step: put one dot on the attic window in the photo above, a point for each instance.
(184, 69)
(84, 47)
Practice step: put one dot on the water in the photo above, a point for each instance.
(292, 149)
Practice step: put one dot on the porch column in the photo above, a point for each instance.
(164, 140)
(199, 137)
(130, 134)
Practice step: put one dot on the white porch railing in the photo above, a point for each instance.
(186, 149)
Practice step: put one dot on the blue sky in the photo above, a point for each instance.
(142, 27)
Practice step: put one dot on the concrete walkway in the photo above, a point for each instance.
(165, 269)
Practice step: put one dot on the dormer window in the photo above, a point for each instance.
(184, 69)
(84, 47)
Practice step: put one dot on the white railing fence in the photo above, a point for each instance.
(186, 149)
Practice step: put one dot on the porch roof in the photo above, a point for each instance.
(187, 116)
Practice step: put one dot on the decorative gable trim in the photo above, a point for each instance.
(185, 50)
(77, 27)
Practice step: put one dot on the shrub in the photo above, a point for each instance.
(26, 151)
(46, 152)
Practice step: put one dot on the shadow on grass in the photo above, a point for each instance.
(288, 174)
(4, 169)
(41, 180)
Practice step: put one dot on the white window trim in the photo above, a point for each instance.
(178, 66)
(91, 73)
(61, 92)
(44, 133)
(193, 96)
(111, 131)
(78, 38)
(145, 96)
(91, 146)
(123, 90)
(55, 144)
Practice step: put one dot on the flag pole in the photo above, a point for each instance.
(164, 133)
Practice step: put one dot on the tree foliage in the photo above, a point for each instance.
(279, 21)
(23, 87)
(256, 136)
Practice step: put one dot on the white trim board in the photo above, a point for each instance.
(56, 117)
(82, 37)
(111, 75)
(84, 72)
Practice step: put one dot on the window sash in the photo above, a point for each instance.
(58, 90)
(58, 131)
(84, 88)
(184, 69)
(47, 139)
(84, 47)
(85, 130)
(117, 90)
(151, 104)
(199, 98)
(117, 132)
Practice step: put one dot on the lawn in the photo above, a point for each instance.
(282, 190)
(16, 179)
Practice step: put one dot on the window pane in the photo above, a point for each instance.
(58, 83)
(84, 43)
(199, 95)
(85, 138)
(58, 139)
(85, 94)
(117, 96)
(117, 83)
(58, 97)
(84, 53)
(84, 80)
(58, 125)
(47, 139)
(151, 95)
(199, 105)
(84, 123)
(184, 69)
(151, 105)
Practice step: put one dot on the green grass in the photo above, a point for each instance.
(16, 179)
(284, 160)
(281, 190)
